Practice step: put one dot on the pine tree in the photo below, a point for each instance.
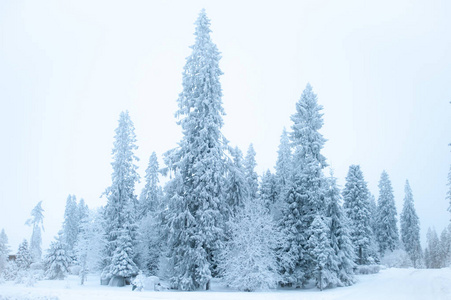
(410, 228)
(71, 222)
(57, 260)
(121, 208)
(325, 263)
(196, 217)
(4, 251)
(373, 212)
(250, 174)
(24, 258)
(236, 190)
(150, 199)
(445, 247)
(432, 251)
(386, 229)
(269, 189)
(340, 234)
(37, 222)
(122, 264)
(284, 160)
(249, 260)
(304, 194)
(357, 208)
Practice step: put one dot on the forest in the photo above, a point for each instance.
(216, 218)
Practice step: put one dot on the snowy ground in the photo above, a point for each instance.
(388, 284)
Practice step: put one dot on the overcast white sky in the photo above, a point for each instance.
(381, 69)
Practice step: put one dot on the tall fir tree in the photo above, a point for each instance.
(150, 199)
(121, 208)
(386, 230)
(196, 217)
(37, 223)
(357, 208)
(410, 228)
(250, 174)
(373, 212)
(304, 195)
(340, 234)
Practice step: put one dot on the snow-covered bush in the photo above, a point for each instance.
(367, 269)
(10, 271)
(249, 259)
(396, 259)
(138, 282)
(74, 270)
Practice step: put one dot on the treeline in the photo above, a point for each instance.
(216, 217)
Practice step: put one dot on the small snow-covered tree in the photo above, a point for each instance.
(410, 228)
(37, 222)
(357, 208)
(121, 263)
(57, 260)
(4, 251)
(386, 229)
(249, 172)
(340, 234)
(24, 258)
(249, 260)
(122, 206)
(325, 262)
(196, 209)
(71, 222)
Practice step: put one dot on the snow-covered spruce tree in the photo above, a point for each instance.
(249, 260)
(250, 174)
(24, 258)
(410, 228)
(340, 234)
(37, 222)
(304, 195)
(150, 199)
(122, 264)
(121, 208)
(373, 211)
(357, 208)
(386, 230)
(83, 211)
(90, 243)
(445, 247)
(325, 263)
(4, 251)
(149, 246)
(269, 192)
(432, 255)
(57, 260)
(284, 160)
(71, 222)
(196, 212)
(236, 189)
